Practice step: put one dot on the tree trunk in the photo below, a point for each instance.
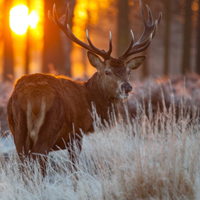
(53, 55)
(8, 48)
(187, 37)
(145, 71)
(123, 26)
(167, 36)
(27, 44)
(68, 42)
(198, 43)
(145, 63)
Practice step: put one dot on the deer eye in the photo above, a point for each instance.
(107, 73)
(129, 72)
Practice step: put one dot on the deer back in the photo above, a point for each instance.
(46, 109)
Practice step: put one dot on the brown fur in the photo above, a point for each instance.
(117, 63)
(45, 111)
(52, 107)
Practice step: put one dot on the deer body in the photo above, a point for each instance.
(48, 110)
(44, 111)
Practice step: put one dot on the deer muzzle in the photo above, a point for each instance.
(126, 87)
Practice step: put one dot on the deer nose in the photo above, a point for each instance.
(126, 87)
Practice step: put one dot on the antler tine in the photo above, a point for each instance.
(147, 42)
(110, 44)
(58, 22)
(150, 15)
(148, 26)
(159, 17)
(141, 48)
(55, 16)
(91, 44)
(63, 24)
(66, 14)
(157, 22)
(142, 11)
(156, 26)
(50, 17)
(143, 40)
(130, 45)
(98, 51)
(148, 34)
(76, 40)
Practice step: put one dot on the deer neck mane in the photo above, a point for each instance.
(103, 102)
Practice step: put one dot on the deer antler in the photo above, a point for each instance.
(148, 34)
(63, 24)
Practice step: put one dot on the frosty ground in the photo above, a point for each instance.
(154, 155)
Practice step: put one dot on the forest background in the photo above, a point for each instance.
(30, 42)
(155, 155)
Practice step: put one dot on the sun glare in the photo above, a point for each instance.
(20, 20)
(33, 19)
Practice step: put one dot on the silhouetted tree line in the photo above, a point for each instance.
(56, 53)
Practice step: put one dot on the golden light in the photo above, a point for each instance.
(20, 20)
(195, 6)
(85, 12)
(33, 19)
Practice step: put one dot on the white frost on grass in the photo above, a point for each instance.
(144, 159)
(7, 144)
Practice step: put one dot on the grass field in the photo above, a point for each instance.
(154, 155)
(148, 158)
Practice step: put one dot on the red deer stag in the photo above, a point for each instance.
(44, 111)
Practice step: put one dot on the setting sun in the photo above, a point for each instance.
(20, 20)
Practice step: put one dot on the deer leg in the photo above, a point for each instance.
(48, 133)
(17, 124)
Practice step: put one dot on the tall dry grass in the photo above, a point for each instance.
(154, 155)
(148, 158)
(179, 91)
(5, 92)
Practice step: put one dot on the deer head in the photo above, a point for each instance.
(113, 73)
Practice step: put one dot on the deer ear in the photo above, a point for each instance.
(135, 62)
(95, 61)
